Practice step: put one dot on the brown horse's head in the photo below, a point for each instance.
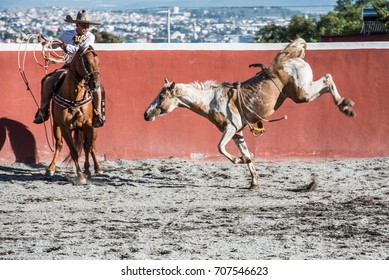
(87, 66)
(165, 102)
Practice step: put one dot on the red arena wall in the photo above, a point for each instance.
(134, 73)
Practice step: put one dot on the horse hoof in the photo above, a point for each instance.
(81, 178)
(82, 181)
(349, 111)
(345, 105)
(245, 159)
(99, 171)
(88, 174)
(254, 186)
(49, 172)
(348, 102)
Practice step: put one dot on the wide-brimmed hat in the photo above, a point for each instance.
(82, 17)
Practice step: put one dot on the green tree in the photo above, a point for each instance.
(271, 33)
(105, 37)
(299, 27)
(382, 7)
(302, 27)
(346, 19)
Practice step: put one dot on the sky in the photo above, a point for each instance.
(137, 4)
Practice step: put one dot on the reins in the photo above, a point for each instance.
(88, 97)
(255, 131)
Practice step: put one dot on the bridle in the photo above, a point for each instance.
(88, 74)
(73, 104)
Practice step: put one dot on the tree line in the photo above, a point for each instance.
(346, 19)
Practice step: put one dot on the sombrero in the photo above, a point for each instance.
(82, 17)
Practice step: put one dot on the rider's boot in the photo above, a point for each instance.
(42, 114)
(44, 111)
(98, 118)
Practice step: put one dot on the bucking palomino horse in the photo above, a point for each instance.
(72, 111)
(233, 107)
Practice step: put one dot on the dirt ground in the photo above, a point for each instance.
(182, 209)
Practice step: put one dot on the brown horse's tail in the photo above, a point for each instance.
(78, 142)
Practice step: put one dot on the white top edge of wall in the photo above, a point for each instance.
(210, 46)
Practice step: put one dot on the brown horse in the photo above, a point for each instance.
(72, 111)
(233, 107)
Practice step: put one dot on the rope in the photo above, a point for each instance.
(254, 131)
(50, 56)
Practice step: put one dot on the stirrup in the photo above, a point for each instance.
(258, 131)
(98, 120)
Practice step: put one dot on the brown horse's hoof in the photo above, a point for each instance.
(81, 178)
(49, 172)
(88, 174)
(254, 186)
(82, 181)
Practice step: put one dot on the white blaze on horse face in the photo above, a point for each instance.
(300, 70)
(150, 111)
(163, 104)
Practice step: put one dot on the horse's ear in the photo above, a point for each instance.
(166, 81)
(172, 85)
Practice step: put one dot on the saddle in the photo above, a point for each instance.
(256, 131)
(88, 98)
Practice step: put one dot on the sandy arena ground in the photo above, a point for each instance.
(178, 209)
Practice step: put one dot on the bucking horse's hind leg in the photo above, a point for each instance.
(326, 84)
(241, 144)
(58, 147)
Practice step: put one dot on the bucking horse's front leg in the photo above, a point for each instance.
(231, 133)
(241, 144)
(326, 84)
(228, 133)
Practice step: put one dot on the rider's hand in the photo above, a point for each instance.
(41, 39)
(63, 46)
(78, 39)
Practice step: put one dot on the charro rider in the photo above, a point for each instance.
(71, 41)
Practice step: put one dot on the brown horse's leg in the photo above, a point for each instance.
(241, 144)
(58, 147)
(96, 164)
(87, 147)
(74, 155)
